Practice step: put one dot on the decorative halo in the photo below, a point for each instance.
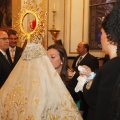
(38, 11)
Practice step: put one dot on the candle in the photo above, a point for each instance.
(54, 6)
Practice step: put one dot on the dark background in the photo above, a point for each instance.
(5, 13)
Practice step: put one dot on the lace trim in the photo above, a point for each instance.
(33, 51)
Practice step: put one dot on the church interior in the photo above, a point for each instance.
(59, 60)
(70, 21)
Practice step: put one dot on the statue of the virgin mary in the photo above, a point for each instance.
(35, 91)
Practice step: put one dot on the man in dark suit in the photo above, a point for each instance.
(5, 66)
(14, 52)
(84, 58)
(87, 58)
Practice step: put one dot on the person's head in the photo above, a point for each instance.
(4, 42)
(58, 57)
(12, 34)
(82, 48)
(110, 38)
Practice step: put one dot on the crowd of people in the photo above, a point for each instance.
(99, 99)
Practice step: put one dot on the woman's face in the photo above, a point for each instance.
(54, 58)
(104, 41)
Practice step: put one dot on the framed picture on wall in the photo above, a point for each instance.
(5, 14)
(98, 10)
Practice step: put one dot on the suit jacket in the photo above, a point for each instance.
(17, 56)
(88, 60)
(5, 69)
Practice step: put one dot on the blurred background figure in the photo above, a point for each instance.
(14, 52)
(84, 57)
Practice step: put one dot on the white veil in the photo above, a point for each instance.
(34, 90)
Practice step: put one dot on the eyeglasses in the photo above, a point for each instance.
(4, 38)
(13, 38)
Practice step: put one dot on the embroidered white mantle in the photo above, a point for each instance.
(34, 91)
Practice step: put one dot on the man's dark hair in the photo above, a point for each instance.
(11, 32)
(111, 25)
(86, 46)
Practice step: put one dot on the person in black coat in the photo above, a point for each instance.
(84, 58)
(5, 66)
(14, 55)
(105, 86)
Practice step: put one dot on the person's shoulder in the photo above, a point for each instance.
(7, 50)
(91, 56)
(19, 48)
(115, 60)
